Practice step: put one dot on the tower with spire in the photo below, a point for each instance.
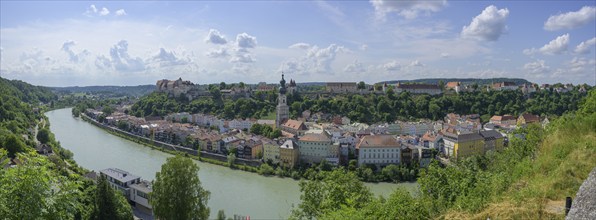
(283, 111)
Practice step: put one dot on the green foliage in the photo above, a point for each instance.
(177, 191)
(221, 215)
(32, 190)
(108, 203)
(231, 158)
(43, 135)
(399, 205)
(158, 104)
(265, 169)
(265, 130)
(12, 144)
(403, 106)
(335, 190)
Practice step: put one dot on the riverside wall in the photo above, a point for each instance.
(170, 147)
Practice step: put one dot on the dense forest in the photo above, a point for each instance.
(545, 166)
(372, 108)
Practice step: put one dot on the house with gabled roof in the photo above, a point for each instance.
(379, 150)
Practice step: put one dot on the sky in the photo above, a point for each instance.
(84, 43)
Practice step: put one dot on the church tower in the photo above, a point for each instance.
(283, 111)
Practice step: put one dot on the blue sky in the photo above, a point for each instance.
(133, 42)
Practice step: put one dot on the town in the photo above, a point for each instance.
(377, 109)
(315, 137)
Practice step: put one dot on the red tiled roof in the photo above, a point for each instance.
(315, 137)
(530, 118)
(378, 141)
(293, 124)
(452, 84)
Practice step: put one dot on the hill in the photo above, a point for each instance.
(136, 91)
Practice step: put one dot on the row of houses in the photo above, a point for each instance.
(455, 137)
(511, 122)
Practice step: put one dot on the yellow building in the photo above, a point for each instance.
(271, 151)
(464, 145)
(288, 154)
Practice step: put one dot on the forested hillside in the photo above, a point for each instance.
(19, 107)
(372, 108)
(33, 186)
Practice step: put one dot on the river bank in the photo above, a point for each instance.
(232, 190)
(212, 158)
(245, 165)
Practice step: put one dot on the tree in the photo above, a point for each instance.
(337, 189)
(231, 158)
(361, 85)
(265, 170)
(33, 191)
(221, 215)
(177, 191)
(107, 110)
(391, 172)
(43, 135)
(13, 145)
(109, 204)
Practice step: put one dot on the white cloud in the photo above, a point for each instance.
(581, 65)
(215, 37)
(165, 58)
(363, 47)
(217, 53)
(571, 20)
(122, 61)
(406, 9)
(303, 46)
(488, 25)
(120, 12)
(584, 47)
(530, 51)
(72, 56)
(355, 67)
(556, 46)
(94, 38)
(104, 11)
(537, 67)
(242, 58)
(246, 41)
(416, 63)
(445, 55)
(578, 70)
(91, 10)
(392, 66)
(316, 60)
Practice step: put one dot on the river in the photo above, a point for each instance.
(234, 191)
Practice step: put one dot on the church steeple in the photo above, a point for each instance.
(282, 82)
(283, 111)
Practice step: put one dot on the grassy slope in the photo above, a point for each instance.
(563, 162)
